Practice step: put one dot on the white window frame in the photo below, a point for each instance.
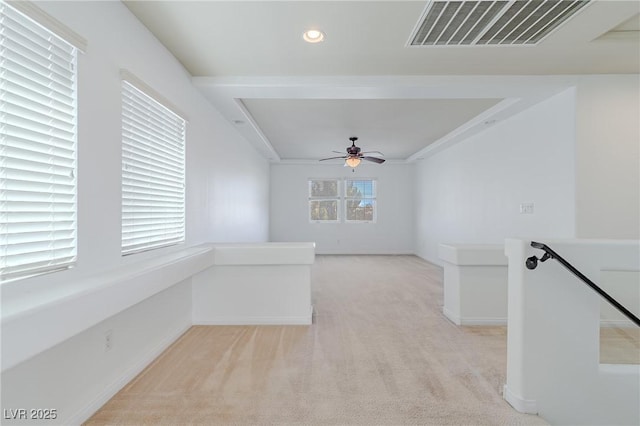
(335, 198)
(342, 200)
(374, 198)
(38, 143)
(153, 170)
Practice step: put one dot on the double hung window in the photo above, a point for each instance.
(330, 200)
(360, 200)
(324, 200)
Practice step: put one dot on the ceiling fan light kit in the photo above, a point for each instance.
(352, 162)
(355, 156)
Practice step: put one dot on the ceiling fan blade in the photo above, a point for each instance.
(374, 159)
(354, 152)
(332, 158)
(372, 152)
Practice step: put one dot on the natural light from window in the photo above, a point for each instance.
(38, 137)
(360, 200)
(153, 173)
(323, 200)
(330, 200)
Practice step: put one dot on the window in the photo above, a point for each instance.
(38, 136)
(153, 172)
(360, 200)
(323, 200)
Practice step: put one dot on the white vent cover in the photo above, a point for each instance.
(515, 22)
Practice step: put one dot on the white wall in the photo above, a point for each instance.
(227, 200)
(391, 234)
(471, 192)
(77, 376)
(608, 157)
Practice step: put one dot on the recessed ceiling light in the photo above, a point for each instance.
(313, 36)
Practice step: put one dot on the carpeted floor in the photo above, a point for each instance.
(380, 352)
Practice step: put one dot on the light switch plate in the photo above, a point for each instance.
(526, 208)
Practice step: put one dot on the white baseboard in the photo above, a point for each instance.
(527, 406)
(483, 321)
(622, 323)
(257, 320)
(450, 316)
(303, 320)
(347, 252)
(84, 414)
(472, 321)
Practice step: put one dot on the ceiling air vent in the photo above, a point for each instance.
(490, 23)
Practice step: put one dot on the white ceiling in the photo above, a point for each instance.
(295, 100)
(395, 127)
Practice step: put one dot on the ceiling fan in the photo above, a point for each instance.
(354, 155)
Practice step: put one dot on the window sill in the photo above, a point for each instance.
(56, 315)
(33, 323)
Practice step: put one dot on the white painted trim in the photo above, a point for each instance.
(103, 397)
(256, 321)
(87, 302)
(364, 252)
(263, 320)
(517, 93)
(620, 369)
(483, 321)
(433, 261)
(140, 84)
(527, 406)
(306, 162)
(272, 154)
(274, 253)
(66, 311)
(472, 321)
(477, 124)
(450, 316)
(49, 22)
(623, 323)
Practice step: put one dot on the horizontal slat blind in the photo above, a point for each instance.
(37, 148)
(153, 173)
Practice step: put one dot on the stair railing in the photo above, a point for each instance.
(532, 263)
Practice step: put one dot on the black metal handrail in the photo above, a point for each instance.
(532, 263)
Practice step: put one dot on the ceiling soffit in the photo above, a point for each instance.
(252, 65)
(304, 128)
(496, 98)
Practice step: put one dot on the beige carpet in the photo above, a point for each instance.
(379, 352)
(620, 345)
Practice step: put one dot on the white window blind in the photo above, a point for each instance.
(153, 173)
(38, 112)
